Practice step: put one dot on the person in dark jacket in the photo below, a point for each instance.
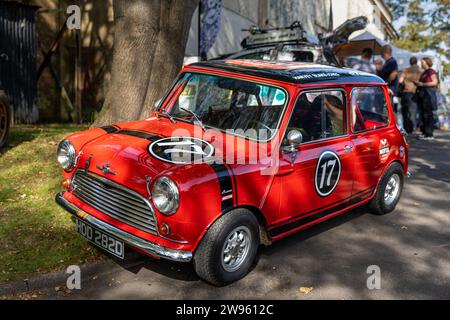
(389, 71)
(426, 97)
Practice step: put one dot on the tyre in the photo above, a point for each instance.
(5, 119)
(228, 250)
(389, 190)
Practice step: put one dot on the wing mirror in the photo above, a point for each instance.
(294, 138)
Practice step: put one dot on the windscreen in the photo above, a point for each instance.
(248, 108)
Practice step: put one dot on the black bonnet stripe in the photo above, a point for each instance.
(139, 134)
(110, 129)
(226, 185)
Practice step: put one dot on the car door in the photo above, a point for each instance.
(371, 136)
(319, 174)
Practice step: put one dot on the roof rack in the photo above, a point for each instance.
(259, 37)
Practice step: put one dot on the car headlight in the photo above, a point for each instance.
(66, 155)
(165, 196)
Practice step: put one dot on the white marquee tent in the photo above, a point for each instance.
(359, 41)
(367, 40)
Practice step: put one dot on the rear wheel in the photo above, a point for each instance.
(389, 190)
(229, 248)
(5, 118)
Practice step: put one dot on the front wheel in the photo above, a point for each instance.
(389, 190)
(229, 248)
(5, 118)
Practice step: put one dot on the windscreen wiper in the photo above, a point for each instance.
(167, 115)
(200, 123)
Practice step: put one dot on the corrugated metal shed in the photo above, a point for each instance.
(18, 59)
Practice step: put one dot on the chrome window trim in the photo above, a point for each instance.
(385, 100)
(165, 98)
(346, 124)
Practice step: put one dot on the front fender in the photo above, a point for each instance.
(200, 202)
(80, 139)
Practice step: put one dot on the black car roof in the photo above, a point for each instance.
(293, 72)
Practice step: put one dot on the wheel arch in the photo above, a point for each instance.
(264, 236)
(5, 99)
(390, 164)
(384, 171)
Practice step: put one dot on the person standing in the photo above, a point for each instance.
(389, 72)
(427, 98)
(378, 65)
(365, 64)
(409, 106)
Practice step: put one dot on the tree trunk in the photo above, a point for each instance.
(150, 38)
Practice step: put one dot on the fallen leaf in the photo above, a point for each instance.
(416, 204)
(404, 228)
(306, 290)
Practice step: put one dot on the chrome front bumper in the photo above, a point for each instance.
(129, 239)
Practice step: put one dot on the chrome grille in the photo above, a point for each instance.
(115, 201)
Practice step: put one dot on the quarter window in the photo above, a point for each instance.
(369, 109)
(319, 115)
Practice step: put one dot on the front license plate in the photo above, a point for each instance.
(101, 239)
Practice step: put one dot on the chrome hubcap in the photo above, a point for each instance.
(392, 189)
(236, 248)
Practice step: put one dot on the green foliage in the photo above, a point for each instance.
(427, 26)
(397, 7)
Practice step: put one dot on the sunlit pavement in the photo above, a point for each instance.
(411, 246)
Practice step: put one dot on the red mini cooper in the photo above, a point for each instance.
(239, 153)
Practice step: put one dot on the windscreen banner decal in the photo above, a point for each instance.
(181, 150)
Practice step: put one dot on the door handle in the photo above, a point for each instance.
(348, 148)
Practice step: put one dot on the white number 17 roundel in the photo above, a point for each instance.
(328, 172)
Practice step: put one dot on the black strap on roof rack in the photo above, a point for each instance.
(259, 37)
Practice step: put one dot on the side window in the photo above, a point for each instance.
(369, 109)
(319, 115)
